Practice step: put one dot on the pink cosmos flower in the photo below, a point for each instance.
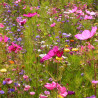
(24, 7)
(59, 53)
(63, 92)
(86, 34)
(21, 21)
(43, 96)
(1, 25)
(14, 47)
(88, 17)
(79, 11)
(5, 38)
(27, 87)
(50, 54)
(95, 82)
(90, 13)
(1, 39)
(52, 11)
(32, 93)
(15, 88)
(52, 25)
(25, 76)
(50, 86)
(8, 81)
(73, 10)
(87, 47)
(30, 14)
(17, 1)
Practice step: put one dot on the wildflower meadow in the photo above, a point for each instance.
(48, 49)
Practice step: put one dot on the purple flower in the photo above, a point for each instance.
(37, 36)
(1, 92)
(14, 24)
(11, 89)
(93, 96)
(64, 34)
(71, 92)
(19, 39)
(82, 74)
(67, 20)
(18, 30)
(50, 79)
(67, 40)
(9, 11)
(47, 92)
(16, 84)
(4, 82)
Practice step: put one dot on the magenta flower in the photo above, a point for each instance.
(21, 21)
(86, 34)
(71, 92)
(30, 14)
(50, 86)
(27, 87)
(1, 39)
(50, 54)
(5, 38)
(59, 53)
(1, 25)
(14, 47)
(52, 25)
(62, 91)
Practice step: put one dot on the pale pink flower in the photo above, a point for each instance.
(25, 76)
(95, 82)
(87, 17)
(86, 34)
(24, 7)
(90, 13)
(8, 80)
(88, 47)
(17, 1)
(1, 25)
(32, 93)
(43, 96)
(52, 11)
(31, 8)
(73, 10)
(27, 87)
(52, 25)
